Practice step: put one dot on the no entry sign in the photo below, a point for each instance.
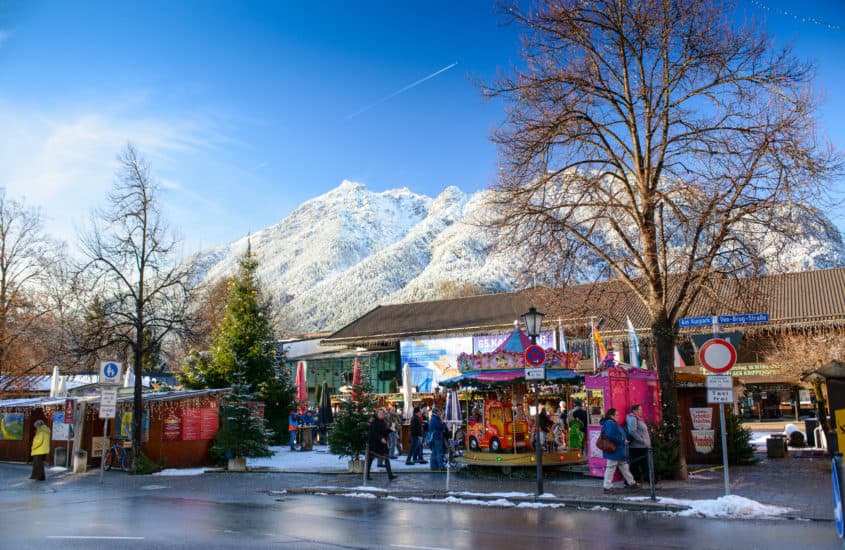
(717, 355)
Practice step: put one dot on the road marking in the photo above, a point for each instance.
(92, 537)
(419, 547)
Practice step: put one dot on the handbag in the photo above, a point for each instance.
(605, 443)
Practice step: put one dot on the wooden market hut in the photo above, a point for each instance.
(179, 426)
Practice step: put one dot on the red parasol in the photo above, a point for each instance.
(356, 377)
(301, 388)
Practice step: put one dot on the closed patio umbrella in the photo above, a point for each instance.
(301, 388)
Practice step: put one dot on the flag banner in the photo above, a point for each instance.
(633, 343)
(599, 343)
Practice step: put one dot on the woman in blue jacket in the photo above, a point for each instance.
(618, 458)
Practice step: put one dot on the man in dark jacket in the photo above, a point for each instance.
(379, 436)
(416, 452)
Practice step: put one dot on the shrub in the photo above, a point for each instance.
(740, 450)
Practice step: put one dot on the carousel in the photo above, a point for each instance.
(496, 400)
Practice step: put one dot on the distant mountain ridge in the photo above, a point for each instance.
(343, 253)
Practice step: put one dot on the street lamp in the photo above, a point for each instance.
(533, 320)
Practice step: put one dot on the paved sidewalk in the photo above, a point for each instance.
(802, 484)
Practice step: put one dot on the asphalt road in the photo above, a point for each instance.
(243, 511)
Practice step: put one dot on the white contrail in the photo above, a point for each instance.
(401, 90)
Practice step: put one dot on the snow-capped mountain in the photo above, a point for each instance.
(343, 253)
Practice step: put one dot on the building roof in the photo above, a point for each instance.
(807, 298)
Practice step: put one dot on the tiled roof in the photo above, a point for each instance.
(790, 299)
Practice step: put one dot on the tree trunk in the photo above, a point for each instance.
(138, 406)
(664, 340)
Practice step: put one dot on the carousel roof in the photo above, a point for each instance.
(494, 376)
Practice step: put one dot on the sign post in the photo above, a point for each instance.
(108, 409)
(718, 356)
(68, 418)
(536, 356)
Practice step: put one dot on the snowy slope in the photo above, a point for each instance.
(341, 254)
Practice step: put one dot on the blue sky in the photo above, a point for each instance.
(246, 109)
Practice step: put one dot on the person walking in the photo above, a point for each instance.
(378, 439)
(619, 458)
(436, 427)
(415, 455)
(394, 424)
(640, 442)
(40, 450)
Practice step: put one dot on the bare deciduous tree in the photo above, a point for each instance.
(26, 256)
(143, 289)
(658, 141)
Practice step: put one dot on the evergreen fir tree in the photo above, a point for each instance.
(348, 436)
(241, 434)
(738, 438)
(245, 344)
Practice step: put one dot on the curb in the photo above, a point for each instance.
(583, 503)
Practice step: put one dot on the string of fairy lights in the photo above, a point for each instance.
(795, 15)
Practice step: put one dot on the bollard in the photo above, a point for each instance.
(651, 473)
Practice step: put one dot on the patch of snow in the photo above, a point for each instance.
(181, 472)
(730, 506)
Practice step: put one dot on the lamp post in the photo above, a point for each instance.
(533, 320)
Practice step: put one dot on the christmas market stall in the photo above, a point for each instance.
(618, 387)
(498, 405)
(178, 426)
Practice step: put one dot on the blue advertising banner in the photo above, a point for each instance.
(433, 359)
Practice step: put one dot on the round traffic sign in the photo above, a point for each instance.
(717, 355)
(535, 356)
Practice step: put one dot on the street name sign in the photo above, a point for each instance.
(110, 373)
(707, 320)
(538, 373)
(108, 403)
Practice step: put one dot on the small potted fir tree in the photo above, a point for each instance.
(241, 435)
(348, 437)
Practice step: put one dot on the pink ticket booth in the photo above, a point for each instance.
(618, 387)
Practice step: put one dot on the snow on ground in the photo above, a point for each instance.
(285, 460)
(730, 506)
(318, 460)
(181, 472)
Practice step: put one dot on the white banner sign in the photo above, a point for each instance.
(720, 381)
(537, 373)
(108, 403)
(702, 418)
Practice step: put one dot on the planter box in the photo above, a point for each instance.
(356, 466)
(236, 465)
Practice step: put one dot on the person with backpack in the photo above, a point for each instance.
(640, 442)
(618, 458)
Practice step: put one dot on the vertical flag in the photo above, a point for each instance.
(679, 360)
(563, 347)
(633, 343)
(599, 343)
